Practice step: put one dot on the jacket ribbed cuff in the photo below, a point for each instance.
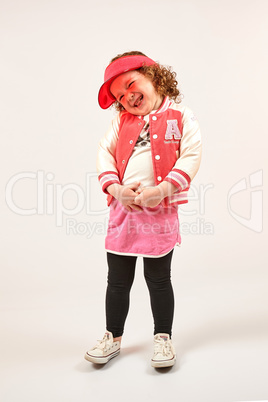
(179, 178)
(108, 178)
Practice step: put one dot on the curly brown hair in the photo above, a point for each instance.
(163, 78)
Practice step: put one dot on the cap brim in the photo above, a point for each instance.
(105, 98)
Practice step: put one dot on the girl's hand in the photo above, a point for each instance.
(125, 195)
(152, 196)
(148, 197)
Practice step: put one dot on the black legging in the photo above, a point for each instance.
(120, 278)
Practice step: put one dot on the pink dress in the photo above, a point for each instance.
(152, 232)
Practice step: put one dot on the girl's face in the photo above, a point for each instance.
(136, 93)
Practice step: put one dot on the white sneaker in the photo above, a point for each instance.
(104, 351)
(164, 352)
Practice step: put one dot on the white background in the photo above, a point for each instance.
(53, 56)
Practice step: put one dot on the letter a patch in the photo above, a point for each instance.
(172, 130)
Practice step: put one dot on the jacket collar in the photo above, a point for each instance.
(165, 105)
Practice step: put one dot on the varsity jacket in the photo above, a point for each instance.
(175, 147)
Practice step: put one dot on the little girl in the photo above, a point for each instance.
(146, 163)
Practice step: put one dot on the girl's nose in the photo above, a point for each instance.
(130, 96)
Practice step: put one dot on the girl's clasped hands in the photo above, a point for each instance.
(134, 197)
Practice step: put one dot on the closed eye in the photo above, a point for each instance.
(121, 97)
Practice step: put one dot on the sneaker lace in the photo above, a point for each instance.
(162, 346)
(103, 343)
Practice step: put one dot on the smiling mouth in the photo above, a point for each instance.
(138, 101)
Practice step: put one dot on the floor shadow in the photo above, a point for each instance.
(165, 370)
(87, 367)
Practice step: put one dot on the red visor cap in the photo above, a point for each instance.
(117, 67)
